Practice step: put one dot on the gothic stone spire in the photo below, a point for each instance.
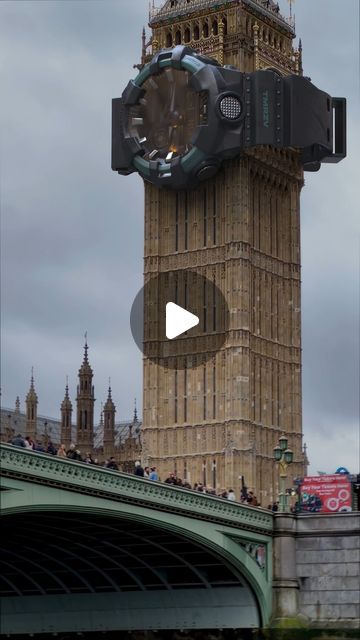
(31, 409)
(85, 404)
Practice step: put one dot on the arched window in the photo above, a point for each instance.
(169, 40)
(206, 30)
(225, 26)
(215, 27)
(178, 37)
(196, 32)
(187, 35)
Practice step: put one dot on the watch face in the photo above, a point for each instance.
(166, 117)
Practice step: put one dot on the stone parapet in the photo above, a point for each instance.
(43, 469)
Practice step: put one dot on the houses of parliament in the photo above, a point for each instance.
(110, 438)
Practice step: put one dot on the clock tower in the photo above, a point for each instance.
(217, 419)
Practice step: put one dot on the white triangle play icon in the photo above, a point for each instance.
(178, 320)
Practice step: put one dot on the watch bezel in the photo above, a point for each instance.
(213, 139)
(194, 156)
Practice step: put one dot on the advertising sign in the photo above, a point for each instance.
(325, 494)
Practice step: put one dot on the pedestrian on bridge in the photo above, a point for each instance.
(139, 471)
(18, 441)
(73, 453)
(112, 464)
(29, 443)
(51, 449)
(153, 474)
(61, 452)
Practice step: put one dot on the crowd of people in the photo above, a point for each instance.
(150, 473)
(72, 453)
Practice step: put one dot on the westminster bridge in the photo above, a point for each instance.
(86, 549)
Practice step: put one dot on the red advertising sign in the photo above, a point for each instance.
(325, 494)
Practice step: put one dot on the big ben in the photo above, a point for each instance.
(220, 220)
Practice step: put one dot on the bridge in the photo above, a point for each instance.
(88, 549)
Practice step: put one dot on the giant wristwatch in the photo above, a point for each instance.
(184, 114)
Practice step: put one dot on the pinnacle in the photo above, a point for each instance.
(85, 367)
(32, 396)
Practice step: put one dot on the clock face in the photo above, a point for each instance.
(165, 119)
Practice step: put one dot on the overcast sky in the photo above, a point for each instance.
(72, 230)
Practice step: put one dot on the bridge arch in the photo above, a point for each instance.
(122, 558)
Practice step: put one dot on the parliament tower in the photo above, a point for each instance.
(31, 409)
(218, 420)
(85, 405)
(66, 413)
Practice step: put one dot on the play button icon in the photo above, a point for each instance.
(178, 320)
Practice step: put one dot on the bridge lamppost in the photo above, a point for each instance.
(284, 457)
(213, 474)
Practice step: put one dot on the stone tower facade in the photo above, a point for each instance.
(85, 401)
(31, 410)
(218, 421)
(66, 413)
(109, 425)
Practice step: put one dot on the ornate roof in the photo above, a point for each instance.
(109, 404)
(32, 395)
(85, 368)
(66, 403)
(172, 8)
(177, 8)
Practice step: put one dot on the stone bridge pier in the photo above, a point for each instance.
(316, 570)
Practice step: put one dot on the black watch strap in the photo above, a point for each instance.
(289, 111)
